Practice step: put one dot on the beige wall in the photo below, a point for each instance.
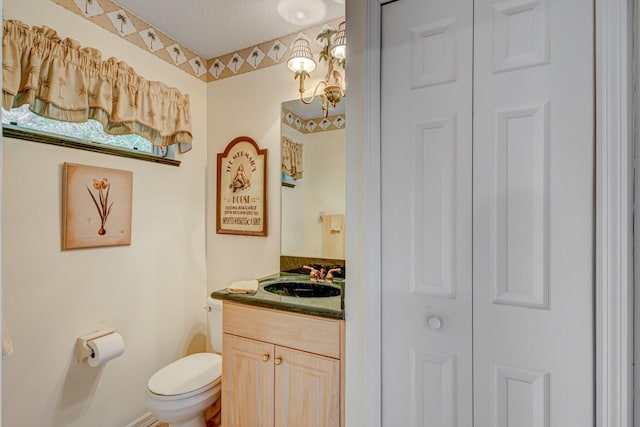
(152, 291)
(246, 105)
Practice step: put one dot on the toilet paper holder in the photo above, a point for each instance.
(82, 345)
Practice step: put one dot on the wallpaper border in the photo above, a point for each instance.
(124, 23)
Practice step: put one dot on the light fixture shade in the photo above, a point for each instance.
(340, 44)
(302, 12)
(301, 58)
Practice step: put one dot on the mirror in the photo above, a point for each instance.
(313, 199)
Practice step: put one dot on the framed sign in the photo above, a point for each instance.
(242, 198)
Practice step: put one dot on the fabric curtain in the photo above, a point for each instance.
(291, 158)
(60, 80)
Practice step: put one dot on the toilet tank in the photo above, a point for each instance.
(215, 324)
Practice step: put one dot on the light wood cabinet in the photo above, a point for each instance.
(281, 369)
(247, 382)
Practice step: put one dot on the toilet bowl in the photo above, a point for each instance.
(179, 393)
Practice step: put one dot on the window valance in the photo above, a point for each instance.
(291, 158)
(62, 81)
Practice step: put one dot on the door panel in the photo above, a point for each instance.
(487, 155)
(426, 214)
(533, 213)
(247, 382)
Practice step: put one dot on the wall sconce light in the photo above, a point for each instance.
(301, 62)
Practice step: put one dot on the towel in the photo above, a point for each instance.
(336, 222)
(333, 241)
(243, 287)
(7, 344)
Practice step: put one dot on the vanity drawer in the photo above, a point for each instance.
(308, 333)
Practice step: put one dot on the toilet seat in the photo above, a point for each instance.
(186, 377)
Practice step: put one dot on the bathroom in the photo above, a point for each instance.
(153, 290)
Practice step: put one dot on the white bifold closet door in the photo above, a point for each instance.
(427, 54)
(488, 213)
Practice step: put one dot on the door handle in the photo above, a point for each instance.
(434, 323)
(277, 360)
(265, 357)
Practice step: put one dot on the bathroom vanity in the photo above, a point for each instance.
(283, 347)
(280, 365)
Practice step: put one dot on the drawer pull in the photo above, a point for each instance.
(277, 360)
(265, 357)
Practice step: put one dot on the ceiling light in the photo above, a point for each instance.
(301, 62)
(302, 12)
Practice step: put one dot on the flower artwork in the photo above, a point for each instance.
(101, 218)
(102, 204)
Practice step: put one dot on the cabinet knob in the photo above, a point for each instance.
(277, 360)
(265, 357)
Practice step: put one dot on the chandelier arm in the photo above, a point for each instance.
(329, 68)
(315, 92)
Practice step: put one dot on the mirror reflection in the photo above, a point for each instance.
(313, 180)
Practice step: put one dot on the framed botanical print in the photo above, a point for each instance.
(96, 206)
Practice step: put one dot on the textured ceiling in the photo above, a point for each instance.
(212, 28)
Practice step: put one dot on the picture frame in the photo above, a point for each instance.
(96, 206)
(241, 201)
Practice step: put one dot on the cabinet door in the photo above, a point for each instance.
(247, 385)
(307, 389)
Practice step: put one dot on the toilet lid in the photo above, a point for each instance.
(186, 375)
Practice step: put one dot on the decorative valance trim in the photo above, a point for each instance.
(291, 158)
(62, 81)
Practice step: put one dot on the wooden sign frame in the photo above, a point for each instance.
(241, 199)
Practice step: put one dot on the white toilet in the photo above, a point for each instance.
(179, 393)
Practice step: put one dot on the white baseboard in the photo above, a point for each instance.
(146, 420)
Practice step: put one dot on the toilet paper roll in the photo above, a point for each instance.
(105, 349)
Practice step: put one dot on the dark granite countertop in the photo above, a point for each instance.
(332, 307)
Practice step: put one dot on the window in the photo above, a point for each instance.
(63, 82)
(90, 132)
